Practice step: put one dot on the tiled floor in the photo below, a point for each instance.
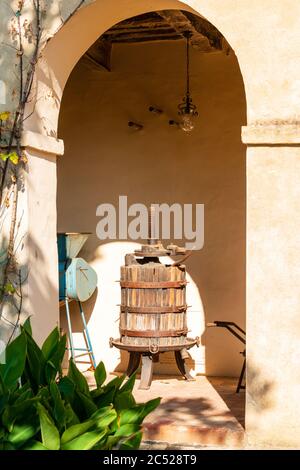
(206, 412)
(226, 387)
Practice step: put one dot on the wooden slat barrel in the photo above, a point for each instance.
(153, 306)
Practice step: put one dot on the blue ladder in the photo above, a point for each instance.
(88, 351)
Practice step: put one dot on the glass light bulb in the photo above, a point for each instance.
(187, 123)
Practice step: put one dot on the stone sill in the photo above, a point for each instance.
(42, 143)
(273, 134)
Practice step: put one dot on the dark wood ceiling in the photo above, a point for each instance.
(166, 25)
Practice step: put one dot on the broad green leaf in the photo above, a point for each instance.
(44, 395)
(114, 384)
(35, 362)
(18, 412)
(86, 441)
(22, 433)
(3, 388)
(59, 408)
(50, 434)
(132, 415)
(127, 430)
(87, 403)
(106, 420)
(129, 384)
(96, 392)
(150, 406)
(76, 430)
(24, 393)
(12, 370)
(138, 413)
(133, 442)
(66, 388)
(78, 379)
(50, 372)
(27, 326)
(101, 412)
(111, 442)
(8, 446)
(50, 344)
(100, 374)
(4, 397)
(58, 354)
(123, 401)
(71, 417)
(105, 399)
(114, 426)
(34, 445)
(100, 419)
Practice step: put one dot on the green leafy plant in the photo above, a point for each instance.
(40, 409)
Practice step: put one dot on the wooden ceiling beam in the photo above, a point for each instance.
(100, 53)
(125, 32)
(204, 36)
(182, 24)
(166, 37)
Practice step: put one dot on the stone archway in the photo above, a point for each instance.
(52, 75)
(97, 103)
(273, 168)
(41, 127)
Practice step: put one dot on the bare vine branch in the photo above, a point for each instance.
(11, 153)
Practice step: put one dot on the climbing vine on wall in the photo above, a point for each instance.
(26, 35)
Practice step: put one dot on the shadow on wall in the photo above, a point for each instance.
(37, 289)
(104, 159)
(102, 310)
(261, 393)
(11, 305)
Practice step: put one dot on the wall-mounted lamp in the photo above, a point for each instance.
(174, 123)
(135, 126)
(154, 110)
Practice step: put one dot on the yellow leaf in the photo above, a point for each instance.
(14, 158)
(4, 116)
(3, 156)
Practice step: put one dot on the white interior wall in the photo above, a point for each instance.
(105, 159)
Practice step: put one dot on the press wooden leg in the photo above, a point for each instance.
(146, 372)
(133, 363)
(180, 357)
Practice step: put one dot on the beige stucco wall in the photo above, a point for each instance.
(265, 36)
(273, 294)
(104, 159)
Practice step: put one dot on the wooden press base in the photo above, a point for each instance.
(148, 360)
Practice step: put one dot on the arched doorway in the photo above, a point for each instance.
(104, 159)
(218, 272)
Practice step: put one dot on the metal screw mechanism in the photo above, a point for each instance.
(151, 226)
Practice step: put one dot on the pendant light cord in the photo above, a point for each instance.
(187, 66)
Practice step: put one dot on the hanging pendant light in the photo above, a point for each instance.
(187, 110)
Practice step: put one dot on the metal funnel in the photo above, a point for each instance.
(74, 243)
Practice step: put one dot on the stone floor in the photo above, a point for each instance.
(204, 413)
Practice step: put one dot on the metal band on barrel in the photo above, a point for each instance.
(153, 333)
(152, 285)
